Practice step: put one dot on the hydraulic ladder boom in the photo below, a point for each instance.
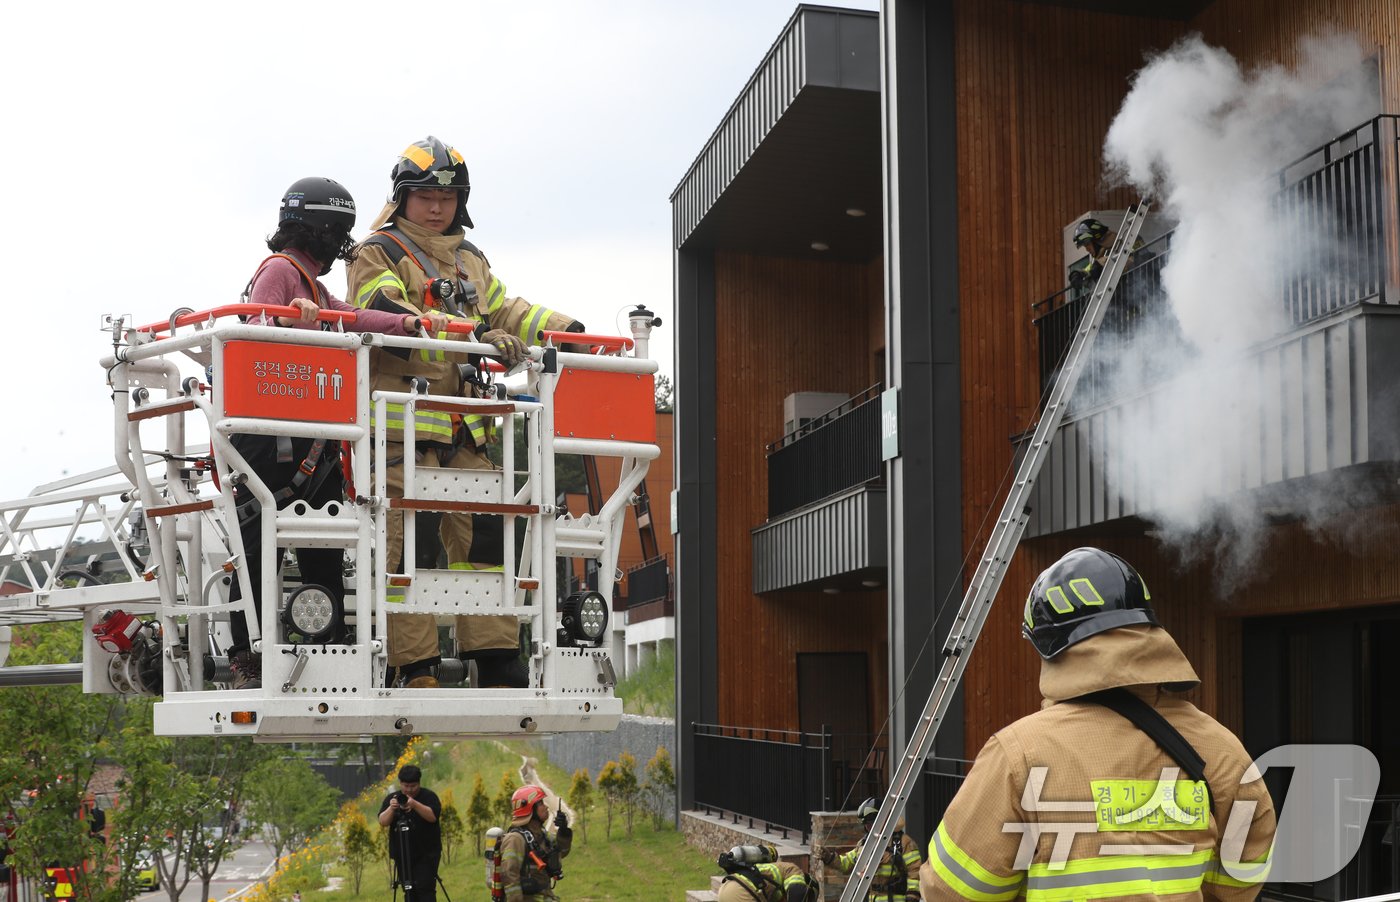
(1006, 535)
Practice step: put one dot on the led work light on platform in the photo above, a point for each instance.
(313, 613)
(583, 619)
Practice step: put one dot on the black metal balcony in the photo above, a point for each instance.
(777, 778)
(1338, 207)
(649, 593)
(835, 451)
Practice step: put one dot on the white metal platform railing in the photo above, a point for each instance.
(332, 690)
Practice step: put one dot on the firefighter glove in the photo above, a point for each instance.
(512, 349)
(828, 856)
(561, 820)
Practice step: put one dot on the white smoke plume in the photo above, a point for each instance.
(1205, 138)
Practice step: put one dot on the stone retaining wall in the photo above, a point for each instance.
(640, 736)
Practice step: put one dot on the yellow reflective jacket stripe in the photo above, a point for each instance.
(468, 565)
(965, 876)
(428, 425)
(495, 295)
(1238, 873)
(886, 868)
(530, 324)
(1119, 875)
(384, 281)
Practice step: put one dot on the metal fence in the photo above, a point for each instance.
(771, 777)
(1337, 244)
(943, 777)
(777, 778)
(835, 451)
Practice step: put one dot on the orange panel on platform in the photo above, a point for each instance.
(288, 382)
(594, 404)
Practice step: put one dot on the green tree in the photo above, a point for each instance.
(609, 784)
(504, 791)
(628, 787)
(358, 847)
(665, 395)
(568, 468)
(177, 796)
(450, 826)
(581, 800)
(660, 787)
(479, 812)
(290, 801)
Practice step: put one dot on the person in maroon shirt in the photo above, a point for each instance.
(313, 231)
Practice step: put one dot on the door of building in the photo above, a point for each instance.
(833, 697)
(1329, 678)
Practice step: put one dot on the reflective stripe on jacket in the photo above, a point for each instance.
(1073, 802)
(887, 873)
(779, 878)
(376, 282)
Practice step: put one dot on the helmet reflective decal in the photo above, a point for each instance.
(1093, 597)
(421, 157)
(1084, 593)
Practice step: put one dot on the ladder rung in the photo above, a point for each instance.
(474, 507)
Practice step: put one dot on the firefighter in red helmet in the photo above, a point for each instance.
(528, 859)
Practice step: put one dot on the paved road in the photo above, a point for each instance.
(238, 872)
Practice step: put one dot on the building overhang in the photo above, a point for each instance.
(797, 151)
(839, 544)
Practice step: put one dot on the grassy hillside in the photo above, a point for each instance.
(649, 865)
(651, 689)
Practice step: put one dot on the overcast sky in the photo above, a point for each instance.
(147, 145)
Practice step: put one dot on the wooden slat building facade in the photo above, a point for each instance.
(992, 118)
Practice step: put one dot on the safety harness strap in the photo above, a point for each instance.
(315, 292)
(397, 245)
(1150, 721)
(305, 481)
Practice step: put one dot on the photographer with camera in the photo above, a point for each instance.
(415, 839)
(529, 860)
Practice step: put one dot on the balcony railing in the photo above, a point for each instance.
(835, 451)
(649, 581)
(650, 593)
(1338, 208)
(777, 778)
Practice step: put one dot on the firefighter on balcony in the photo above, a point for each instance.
(418, 260)
(1095, 240)
(897, 876)
(1117, 788)
(754, 874)
(313, 231)
(528, 860)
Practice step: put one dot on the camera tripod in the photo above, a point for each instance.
(403, 862)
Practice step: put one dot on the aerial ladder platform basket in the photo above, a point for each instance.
(168, 514)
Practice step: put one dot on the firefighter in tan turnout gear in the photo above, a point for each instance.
(897, 875)
(416, 260)
(754, 874)
(1117, 788)
(529, 860)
